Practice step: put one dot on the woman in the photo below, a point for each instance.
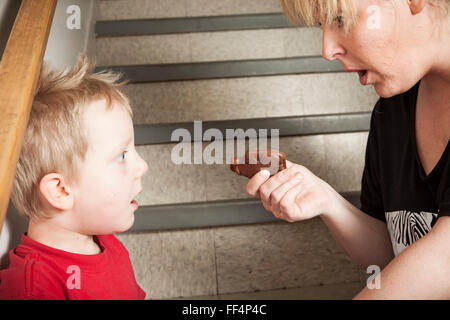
(402, 48)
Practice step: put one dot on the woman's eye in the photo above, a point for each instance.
(340, 21)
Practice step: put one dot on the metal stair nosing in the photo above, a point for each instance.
(132, 27)
(224, 69)
(149, 134)
(209, 214)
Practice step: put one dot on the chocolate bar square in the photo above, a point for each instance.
(256, 160)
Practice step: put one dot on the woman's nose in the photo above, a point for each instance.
(331, 46)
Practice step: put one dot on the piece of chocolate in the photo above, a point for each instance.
(255, 160)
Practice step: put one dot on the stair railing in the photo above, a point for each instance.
(19, 72)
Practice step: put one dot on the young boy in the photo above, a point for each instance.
(76, 179)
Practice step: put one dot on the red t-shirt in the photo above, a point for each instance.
(37, 271)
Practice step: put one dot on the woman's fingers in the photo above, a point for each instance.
(273, 183)
(293, 194)
(283, 194)
(289, 164)
(278, 194)
(256, 181)
(291, 205)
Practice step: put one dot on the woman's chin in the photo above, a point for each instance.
(384, 91)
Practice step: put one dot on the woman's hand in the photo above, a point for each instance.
(293, 194)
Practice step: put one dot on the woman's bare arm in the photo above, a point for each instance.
(421, 271)
(365, 239)
(296, 194)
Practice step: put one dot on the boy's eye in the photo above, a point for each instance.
(122, 156)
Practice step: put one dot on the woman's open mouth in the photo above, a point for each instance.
(363, 77)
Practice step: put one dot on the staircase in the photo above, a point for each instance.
(232, 64)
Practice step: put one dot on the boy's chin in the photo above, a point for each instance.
(128, 225)
(118, 228)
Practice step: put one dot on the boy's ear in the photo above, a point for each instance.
(55, 190)
(416, 6)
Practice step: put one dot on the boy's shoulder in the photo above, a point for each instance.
(30, 276)
(40, 272)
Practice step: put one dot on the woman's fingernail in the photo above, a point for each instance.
(265, 173)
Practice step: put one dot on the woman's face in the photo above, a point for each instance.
(386, 46)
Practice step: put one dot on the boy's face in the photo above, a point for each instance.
(110, 176)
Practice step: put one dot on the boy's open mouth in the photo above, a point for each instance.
(134, 202)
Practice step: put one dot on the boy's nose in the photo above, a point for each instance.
(331, 48)
(143, 167)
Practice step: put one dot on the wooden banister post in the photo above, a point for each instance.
(19, 72)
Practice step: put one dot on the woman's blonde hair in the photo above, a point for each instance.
(311, 12)
(55, 139)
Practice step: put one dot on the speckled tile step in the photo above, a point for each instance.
(280, 255)
(341, 291)
(231, 261)
(173, 264)
(140, 9)
(254, 97)
(338, 159)
(209, 46)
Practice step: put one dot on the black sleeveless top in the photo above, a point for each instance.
(395, 187)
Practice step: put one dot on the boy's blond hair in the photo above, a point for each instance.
(310, 12)
(55, 139)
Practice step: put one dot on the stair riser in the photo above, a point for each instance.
(145, 9)
(209, 46)
(241, 98)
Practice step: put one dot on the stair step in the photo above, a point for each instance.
(243, 98)
(336, 158)
(237, 259)
(190, 24)
(341, 291)
(144, 9)
(209, 46)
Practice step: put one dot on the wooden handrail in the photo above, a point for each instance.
(19, 71)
